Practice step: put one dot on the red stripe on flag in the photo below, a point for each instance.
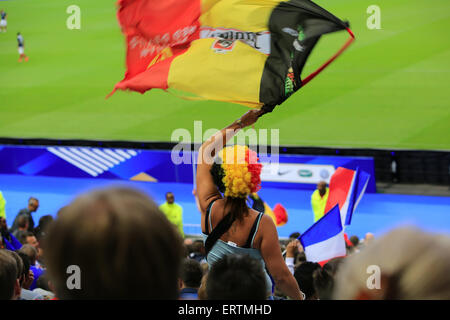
(154, 77)
(154, 28)
(340, 184)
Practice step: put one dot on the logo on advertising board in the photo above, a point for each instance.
(296, 172)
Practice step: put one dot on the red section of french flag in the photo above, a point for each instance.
(346, 189)
(341, 186)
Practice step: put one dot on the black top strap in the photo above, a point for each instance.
(248, 243)
(218, 231)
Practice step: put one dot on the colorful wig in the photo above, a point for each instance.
(236, 171)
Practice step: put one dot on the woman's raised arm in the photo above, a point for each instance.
(206, 189)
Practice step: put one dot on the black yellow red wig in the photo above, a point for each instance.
(236, 171)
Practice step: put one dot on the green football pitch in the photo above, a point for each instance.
(390, 89)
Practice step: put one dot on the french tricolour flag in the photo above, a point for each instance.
(346, 189)
(324, 240)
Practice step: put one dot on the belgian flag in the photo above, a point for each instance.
(250, 52)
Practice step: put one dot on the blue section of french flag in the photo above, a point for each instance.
(324, 240)
(359, 186)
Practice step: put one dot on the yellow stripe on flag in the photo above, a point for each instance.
(245, 15)
(227, 75)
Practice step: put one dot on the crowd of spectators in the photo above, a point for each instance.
(126, 248)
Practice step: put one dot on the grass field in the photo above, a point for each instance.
(391, 89)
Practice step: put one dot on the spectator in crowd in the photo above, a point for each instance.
(202, 290)
(304, 276)
(4, 229)
(198, 251)
(41, 230)
(294, 254)
(319, 200)
(190, 279)
(229, 226)
(354, 240)
(2, 206)
(236, 277)
(405, 264)
(123, 244)
(32, 253)
(33, 205)
(29, 238)
(10, 287)
(368, 238)
(22, 227)
(173, 212)
(294, 236)
(8, 240)
(27, 280)
(44, 287)
(324, 279)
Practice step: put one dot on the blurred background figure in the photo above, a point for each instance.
(27, 279)
(41, 230)
(173, 212)
(325, 278)
(32, 254)
(124, 246)
(2, 206)
(33, 205)
(319, 200)
(190, 279)
(8, 240)
(405, 264)
(198, 251)
(10, 288)
(3, 22)
(236, 277)
(21, 47)
(22, 227)
(304, 276)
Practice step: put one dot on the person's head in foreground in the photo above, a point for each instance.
(236, 173)
(304, 276)
(405, 264)
(123, 245)
(236, 277)
(191, 274)
(10, 287)
(324, 278)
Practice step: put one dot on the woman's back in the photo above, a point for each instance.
(240, 230)
(239, 239)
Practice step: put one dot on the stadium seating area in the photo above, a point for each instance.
(177, 269)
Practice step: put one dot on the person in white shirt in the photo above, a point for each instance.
(3, 22)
